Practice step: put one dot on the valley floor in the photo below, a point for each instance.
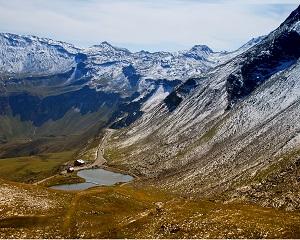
(131, 210)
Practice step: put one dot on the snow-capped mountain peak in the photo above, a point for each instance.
(198, 52)
(107, 47)
(201, 49)
(30, 55)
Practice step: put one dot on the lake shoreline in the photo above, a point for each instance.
(94, 178)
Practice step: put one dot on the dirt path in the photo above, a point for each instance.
(99, 160)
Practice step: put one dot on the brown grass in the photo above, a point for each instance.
(128, 211)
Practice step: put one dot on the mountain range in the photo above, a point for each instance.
(51, 88)
(222, 125)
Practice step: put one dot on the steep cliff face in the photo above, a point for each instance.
(232, 131)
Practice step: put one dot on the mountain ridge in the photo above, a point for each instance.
(230, 132)
(104, 46)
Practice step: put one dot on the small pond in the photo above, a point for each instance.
(95, 177)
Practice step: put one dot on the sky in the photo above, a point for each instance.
(153, 25)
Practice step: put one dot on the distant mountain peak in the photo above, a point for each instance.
(106, 43)
(107, 47)
(202, 48)
(198, 52)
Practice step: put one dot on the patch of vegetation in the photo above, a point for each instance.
(280, 163)
(114, 155)
(59, 179)
(206, 137)
(33, 168)
(71, 132)
(128, 211)
(89, 151)
(29, 211)
(209, 134)
(23, 221)
(12, 127)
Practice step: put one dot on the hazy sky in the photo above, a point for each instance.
(152, 25)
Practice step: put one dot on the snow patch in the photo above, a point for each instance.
(156, 99)
(297, 27)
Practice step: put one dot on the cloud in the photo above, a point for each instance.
(149, 24)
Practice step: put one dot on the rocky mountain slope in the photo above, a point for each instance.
(232, 132)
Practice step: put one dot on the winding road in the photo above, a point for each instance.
(99, 159)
